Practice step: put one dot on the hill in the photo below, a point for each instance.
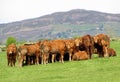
(63, 25)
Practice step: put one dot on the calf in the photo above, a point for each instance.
(111, 52)
(80, 55)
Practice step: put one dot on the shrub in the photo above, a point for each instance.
(10, 40)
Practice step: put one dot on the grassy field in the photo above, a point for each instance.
(94, 70)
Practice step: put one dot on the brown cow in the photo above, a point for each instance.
(22, 53)
(52, 47)
(71, 48)
(88, 44)
(80, 55)
(111, 52)
(102, 43)
(85, 43)
(45, 51)
(29, 52)
(37, 53)
(11, 54)
(78, 43)
(58, 46)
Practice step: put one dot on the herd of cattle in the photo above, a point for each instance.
(47, 51)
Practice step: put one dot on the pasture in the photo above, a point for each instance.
(94, 70)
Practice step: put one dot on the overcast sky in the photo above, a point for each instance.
(16, 10)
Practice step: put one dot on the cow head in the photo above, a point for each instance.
(11, 50)
(21, 56)
(20, 59)
(78, 41)
(95, 39)
(105, 47)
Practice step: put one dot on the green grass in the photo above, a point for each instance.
(94, 70)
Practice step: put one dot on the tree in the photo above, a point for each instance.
(10, 40)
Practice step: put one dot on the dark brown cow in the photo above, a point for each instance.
(80, 55)
(11, 54)
(88, 44)
(85, 43)
(111, 52)
(30, 53)
(102, 43)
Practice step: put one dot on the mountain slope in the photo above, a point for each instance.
(62, 25)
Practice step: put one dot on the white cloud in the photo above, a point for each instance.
(13, 10)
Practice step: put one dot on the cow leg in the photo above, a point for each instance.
(53, 58)
(20, 62)
(47, 58)
(91, 51)
(14, 62)
(29, 61)
(37, 59)
(26, 62)
(42, 59)
(8, 61)
(100, 51)
(11, 62)
(62, 59)
(101, 54)
(105, 52)
(33, 59)
(62, 56)
(70, 54)
(88, 52)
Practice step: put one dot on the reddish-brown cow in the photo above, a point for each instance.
(52, 47)
(29, 52)
(80, 55)
(45, 51)
(85, 43)
(58, 46)
(111, 52)
(11, 54)
(88, 44)
(102, 43)
(71, 48)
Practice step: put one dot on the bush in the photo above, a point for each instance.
(10, 40)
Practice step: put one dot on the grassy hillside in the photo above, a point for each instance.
(63, 31)
(94, 70)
